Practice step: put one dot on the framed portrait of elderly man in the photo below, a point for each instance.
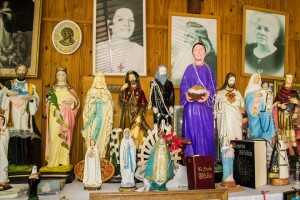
(184, 31)
(119, 40)
(19, 35)
(264, 42)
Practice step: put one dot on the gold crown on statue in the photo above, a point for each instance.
(61, 69)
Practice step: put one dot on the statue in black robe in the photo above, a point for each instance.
(162, 97)
(33, 182)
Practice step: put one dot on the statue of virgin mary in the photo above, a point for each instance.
(98, 115)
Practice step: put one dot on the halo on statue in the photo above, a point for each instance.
(66, 37)
(107, 170)
(145, 152)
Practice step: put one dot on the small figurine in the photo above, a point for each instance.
(33, 182)
(279, 167)
(162, 97)
(159, 168)
(61, 108)
(267, 95)
(127, 162)
(229, 107)
(20, 102)
(4, 139)
(98, 115)
(259, 110)
(92, 169)
(133, 106)
(227, 162)
(286, 101)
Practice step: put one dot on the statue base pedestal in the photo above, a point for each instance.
(59, 172)
(5, 186)
(127, 189)
(279, 181)
(14, 192)
(18, 173)
(92, 188)
(229, 186)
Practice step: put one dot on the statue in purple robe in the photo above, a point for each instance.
(197, 92)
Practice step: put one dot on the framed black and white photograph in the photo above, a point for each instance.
(119, 39)
(264, 42)
(184, 31)
(19, 35)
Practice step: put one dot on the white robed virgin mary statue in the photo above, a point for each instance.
(98, 115)
(92, 169)
(127, 160)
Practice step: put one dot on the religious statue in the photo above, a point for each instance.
(259, 110)
(159, 167)
(127, 161)
(33, 182)
(20, 102)
(4, 139)
(296, 119)
(92, 168)
(162, 97)
(98, 115)
(197, 93)
(286, 101)
(227, 161)
(61, 109)
(133, 106)
(279, 165)
(229, 107)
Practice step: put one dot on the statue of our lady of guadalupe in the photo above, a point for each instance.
(127, 161)
(92, 169)
(159, 168)
(4, 138)
(61, 108)
(98, 114)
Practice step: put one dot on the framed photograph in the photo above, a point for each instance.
(265, 42)
(184, 31)
(119, 37)
(19, 35)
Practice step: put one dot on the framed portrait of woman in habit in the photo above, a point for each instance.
(265, 42)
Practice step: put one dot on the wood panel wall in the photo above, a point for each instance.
(79, 64)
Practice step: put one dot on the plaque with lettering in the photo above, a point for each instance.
(250, 163)
(200, 172)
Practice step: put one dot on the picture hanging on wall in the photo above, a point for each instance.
(264, 42)
(19, 36)
(184, 31)
(66, 37)
(119, 39)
